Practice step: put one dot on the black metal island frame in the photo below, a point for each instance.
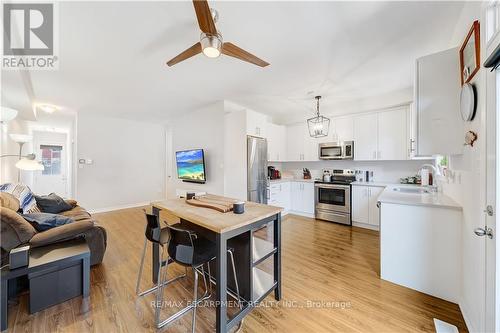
(235, 231)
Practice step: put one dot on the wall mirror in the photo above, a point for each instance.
(470, 54)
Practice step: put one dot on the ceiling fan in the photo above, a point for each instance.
(211, 43)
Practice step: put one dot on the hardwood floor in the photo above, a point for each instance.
(330, 284)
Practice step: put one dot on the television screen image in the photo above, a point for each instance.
(191, 165)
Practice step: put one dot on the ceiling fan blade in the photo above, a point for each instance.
(192, 51)
(234, 51)
(204, 16)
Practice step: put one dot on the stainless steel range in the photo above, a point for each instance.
(333, 198)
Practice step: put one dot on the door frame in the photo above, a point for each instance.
(69, 156)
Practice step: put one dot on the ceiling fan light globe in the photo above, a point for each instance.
(211, 45)
(211, 52)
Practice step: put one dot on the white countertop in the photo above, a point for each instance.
(378, 184)
(284, 180)
(417, 199)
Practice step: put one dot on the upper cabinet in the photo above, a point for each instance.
(300, 146)
(343, 128)
(365, 137)
(439, 127)
(382, 135)
(256, 124)
(392, 134)
(276, 142)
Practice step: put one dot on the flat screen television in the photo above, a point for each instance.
(191, 165)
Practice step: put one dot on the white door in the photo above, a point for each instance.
(492, 200)
(365, 137)
(51, 149)
(392, 135)
(360, 204)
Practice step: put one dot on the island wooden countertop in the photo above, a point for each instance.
(214, 220)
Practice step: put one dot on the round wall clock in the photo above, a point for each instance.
(468, 102)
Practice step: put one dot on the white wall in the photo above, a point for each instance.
(469, 190)
(235, 154)
(203, 128)
(384, 171)
(8, 171)
(129, 162)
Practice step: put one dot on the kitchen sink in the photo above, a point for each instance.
(416, 190)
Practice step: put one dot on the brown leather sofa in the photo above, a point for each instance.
(16, 231)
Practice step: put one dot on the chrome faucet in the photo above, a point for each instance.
(435, 173)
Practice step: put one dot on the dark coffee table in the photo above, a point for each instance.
(56, 273)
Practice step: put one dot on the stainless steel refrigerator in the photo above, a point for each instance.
(256, 169)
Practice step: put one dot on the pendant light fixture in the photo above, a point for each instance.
(319, 125)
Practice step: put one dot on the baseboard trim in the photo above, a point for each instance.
(113, 208)
(468, 323)
(364, 225)
(301, 214)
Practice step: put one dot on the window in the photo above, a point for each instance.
(51, 159)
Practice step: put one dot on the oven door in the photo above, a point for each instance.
(333, 197)
(330, 152)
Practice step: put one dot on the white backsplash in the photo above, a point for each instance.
(383, 171)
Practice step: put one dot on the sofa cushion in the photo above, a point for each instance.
(46, 221)
(78, 214)
(52, 203)
(9, 201)
(61, 233)
(23, 194)
(15, 230)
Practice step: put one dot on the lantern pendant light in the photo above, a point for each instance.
(319, 125)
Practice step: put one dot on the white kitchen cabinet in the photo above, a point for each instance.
(280, 195)
(295, 141)
(364, 205)
(392, 134)
(420, 248)
(302, 198)
(382, 135)
(276, 142)
(256, 124)
(343, 129)
(359, 204)
(300, 146)
(365, 137)
(440, 128)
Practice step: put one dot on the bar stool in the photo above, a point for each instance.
(185, 248)
(155, 234)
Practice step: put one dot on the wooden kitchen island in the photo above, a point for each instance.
(235, 231)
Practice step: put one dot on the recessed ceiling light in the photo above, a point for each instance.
(47, 108)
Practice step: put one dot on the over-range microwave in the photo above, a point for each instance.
(336, 151)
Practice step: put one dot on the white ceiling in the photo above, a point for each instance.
(113, 54)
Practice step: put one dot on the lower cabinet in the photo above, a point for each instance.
(294, 196)
(279, 195)
(303, 198)
(364, 205)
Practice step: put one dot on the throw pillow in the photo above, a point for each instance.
(46, 221)
(9, 201)
(22, 193)
(14, 229)
(52, 203)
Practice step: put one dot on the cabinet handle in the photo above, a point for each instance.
(411, 145)
(374, 155)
